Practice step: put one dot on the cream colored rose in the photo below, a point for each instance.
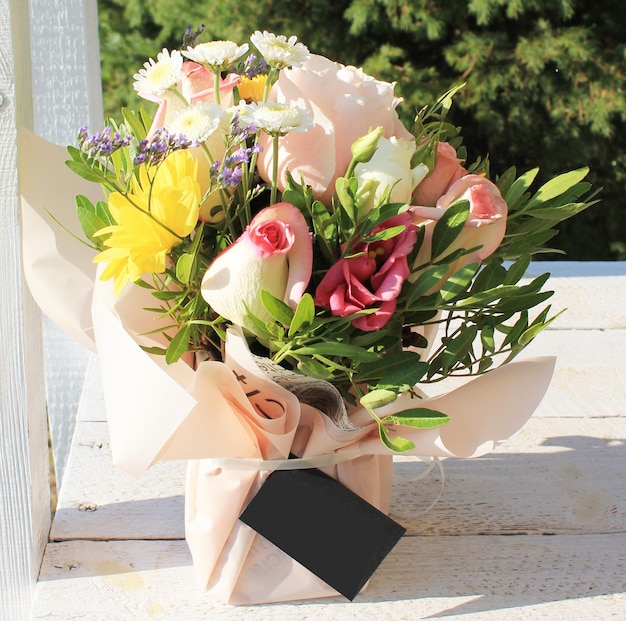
(390, 167)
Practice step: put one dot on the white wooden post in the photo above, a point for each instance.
(24, 486)
(67, 94)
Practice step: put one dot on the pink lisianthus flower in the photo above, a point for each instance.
(484, 228)
(372, 279)
(447, 170)
(274, 253)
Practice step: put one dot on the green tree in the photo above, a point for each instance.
(545, 78)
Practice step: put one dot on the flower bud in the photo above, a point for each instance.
(363, 148)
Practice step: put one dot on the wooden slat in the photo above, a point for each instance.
(592, 292)
(486, 578)
(554, 476)
(24, 490)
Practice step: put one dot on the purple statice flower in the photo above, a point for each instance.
(253, 66)
(190, 36)
(102, 144)
(155, 149)
(239, 133)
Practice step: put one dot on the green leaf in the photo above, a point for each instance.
(276, 308)
(449, 227)
(178, 345)
(102, 211)
(304, 314)
(84, 171)
(458, 282)
(333, 348)
(398, 369)
(557, 186)
(420, 418)
(183, 268)
(134, 123)
(398, 444)
(389, 233)
(520, 186)
(459, 347)
(517, 270)
(378, 398)
(313, 368)
(346, 197)
(428, 279)
(89, 221)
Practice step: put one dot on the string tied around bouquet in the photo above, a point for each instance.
(320, 461)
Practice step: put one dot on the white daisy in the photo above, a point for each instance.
(218, 55)
(279, 52)
(157, 77)
(276, 119)
(198, 121)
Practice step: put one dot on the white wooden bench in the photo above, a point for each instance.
(535, 530)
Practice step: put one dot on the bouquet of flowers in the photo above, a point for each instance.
(293, 266)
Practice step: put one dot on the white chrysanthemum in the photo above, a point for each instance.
(278, 51)
(157, 77)
(276, 119)
(198, 121)
(216, 54)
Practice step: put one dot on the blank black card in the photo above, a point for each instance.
(324, 526)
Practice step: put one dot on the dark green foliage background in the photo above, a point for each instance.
(545, 78)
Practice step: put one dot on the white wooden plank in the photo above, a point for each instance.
(24, 491)
(589, 375)
(554, 476)
(593, 293)
(483, 578)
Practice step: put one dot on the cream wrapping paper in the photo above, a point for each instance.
(232, 409)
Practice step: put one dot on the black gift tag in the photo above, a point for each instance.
(324, 526)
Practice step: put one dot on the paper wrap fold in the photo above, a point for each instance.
(232, 409)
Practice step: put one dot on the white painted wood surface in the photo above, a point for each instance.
(24, 489)
(536, 530)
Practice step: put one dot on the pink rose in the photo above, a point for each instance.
(344, 104)
(447, 170)
(484, 228)
(274, 253)
(373, 279)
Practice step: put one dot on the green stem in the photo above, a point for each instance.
(216, 87)
(274, 169)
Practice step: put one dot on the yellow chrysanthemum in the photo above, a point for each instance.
(160, 209)
(251, 89)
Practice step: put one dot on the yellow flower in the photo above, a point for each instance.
(251, 89)
(160, 209)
